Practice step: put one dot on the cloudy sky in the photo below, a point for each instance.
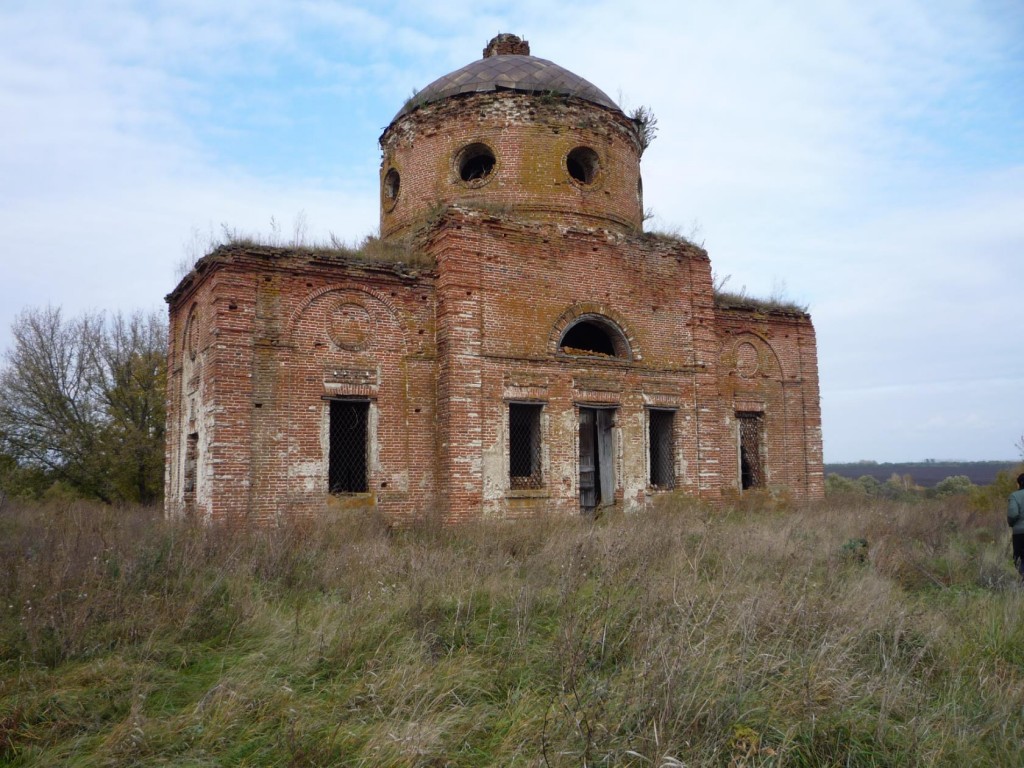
(865, 157)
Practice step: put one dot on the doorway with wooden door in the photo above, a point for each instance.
(597, 465)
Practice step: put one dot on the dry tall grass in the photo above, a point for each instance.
(860, 633)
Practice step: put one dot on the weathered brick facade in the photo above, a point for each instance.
(538, 353)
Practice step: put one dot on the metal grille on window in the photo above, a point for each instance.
(346, 471)
(751, 461)
(524, 445)
(662, 459)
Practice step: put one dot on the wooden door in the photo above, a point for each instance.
(605, 457)
(597, 458)
(588, 459)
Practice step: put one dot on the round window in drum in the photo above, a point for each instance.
(475, 164)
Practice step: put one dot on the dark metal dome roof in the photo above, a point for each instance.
(513, 73)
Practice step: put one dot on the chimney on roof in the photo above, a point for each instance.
(505, 45)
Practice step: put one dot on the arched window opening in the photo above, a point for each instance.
(583, 165)
(588, 339)
(392, 183)
(594, 338)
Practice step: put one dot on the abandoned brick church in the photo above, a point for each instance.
(513, 344)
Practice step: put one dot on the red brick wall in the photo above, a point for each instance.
(506, 290)
(283, 330)
(441, 357)
(769, 365)
(190, 401)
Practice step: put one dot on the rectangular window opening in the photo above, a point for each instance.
(662, 455)
(347, 455)
(524, 445)
(191, 466)
(751, 455)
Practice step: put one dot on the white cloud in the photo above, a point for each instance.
(866, 154)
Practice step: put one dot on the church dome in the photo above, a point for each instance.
(516, 134)
(508, 66)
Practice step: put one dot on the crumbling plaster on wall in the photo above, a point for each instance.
(190, 475)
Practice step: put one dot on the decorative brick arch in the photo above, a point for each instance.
(767, 360)
(354, 291)
(190, 330)
(191, 351)
(626, 347)
(345, 342)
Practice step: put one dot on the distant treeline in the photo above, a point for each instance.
(924, 473)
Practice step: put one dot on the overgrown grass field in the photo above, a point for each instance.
(856, 632)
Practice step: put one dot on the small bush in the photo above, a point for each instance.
(855, 550)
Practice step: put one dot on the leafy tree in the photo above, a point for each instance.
(132, 372)
(869, 484)
(955, 485)
(82, 401)
(18, 481)
(898, 488)
(836, 483)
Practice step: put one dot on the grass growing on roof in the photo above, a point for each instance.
(371, 249)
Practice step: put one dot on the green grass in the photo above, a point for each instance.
(753, 636)
(741, 300)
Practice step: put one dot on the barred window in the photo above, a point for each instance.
(662, 457)
(751, 459)
(524, 445)
(347, 433)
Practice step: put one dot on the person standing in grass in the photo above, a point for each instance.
(1015, 518)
